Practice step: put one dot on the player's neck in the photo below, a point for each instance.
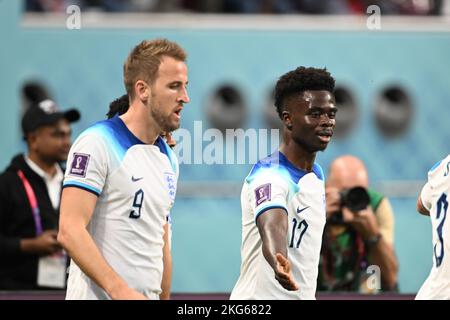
(47, 166)
(140, 124)
(298, 156)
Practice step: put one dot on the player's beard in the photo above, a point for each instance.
(163, 120)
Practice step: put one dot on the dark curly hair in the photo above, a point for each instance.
(301, 79)
(120, 106)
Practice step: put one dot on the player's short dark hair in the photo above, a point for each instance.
(299, 80)
(120, 106)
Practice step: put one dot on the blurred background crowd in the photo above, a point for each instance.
(356, 7)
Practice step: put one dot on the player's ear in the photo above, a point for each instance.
(142, 90)
(286, 116)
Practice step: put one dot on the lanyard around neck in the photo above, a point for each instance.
(33, 202)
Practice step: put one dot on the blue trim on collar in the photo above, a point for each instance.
(162, 145)
(279, 159)
(125, 137)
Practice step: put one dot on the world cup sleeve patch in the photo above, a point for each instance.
(79, 164)
(262, 193)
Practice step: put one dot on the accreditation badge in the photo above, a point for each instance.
(52, 270)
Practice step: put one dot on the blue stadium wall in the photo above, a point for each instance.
(83, 68)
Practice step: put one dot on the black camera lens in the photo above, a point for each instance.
(356, 199)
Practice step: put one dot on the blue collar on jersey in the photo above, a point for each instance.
(128, 139)
(278, 158)
(163, 146)
(297, 173)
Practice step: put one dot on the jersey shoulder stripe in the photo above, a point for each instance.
(278, 163)
(115, 135)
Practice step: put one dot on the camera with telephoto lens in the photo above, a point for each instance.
(356, 199)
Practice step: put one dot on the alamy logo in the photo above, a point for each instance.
(73, 21)
(374, 280)
(234, 146)
(79, 164)
(374, 20)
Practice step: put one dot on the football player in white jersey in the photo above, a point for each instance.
(433, 201)
(120, 184)
(283, 197)
(120, 106)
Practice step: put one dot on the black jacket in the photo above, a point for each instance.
(18, 270)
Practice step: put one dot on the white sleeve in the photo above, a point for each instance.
(426, 196)
(267, 191)
(435, 182)
(87, 164)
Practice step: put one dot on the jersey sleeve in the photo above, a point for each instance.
(267, 191)
(426, 195)
(435, 175)
(87, 164)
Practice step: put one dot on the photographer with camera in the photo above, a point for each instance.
(358, 233)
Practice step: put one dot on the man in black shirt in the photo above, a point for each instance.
(30, 189)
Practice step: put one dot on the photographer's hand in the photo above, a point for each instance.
(363, 221)
(380, 253)
(333, 201)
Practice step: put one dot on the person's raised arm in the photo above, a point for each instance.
(77, 207)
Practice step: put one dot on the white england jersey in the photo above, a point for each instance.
(135, 184)
(435, 197)
(274, 182)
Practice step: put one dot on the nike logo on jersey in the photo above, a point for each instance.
(300, 210)
(136, 179)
